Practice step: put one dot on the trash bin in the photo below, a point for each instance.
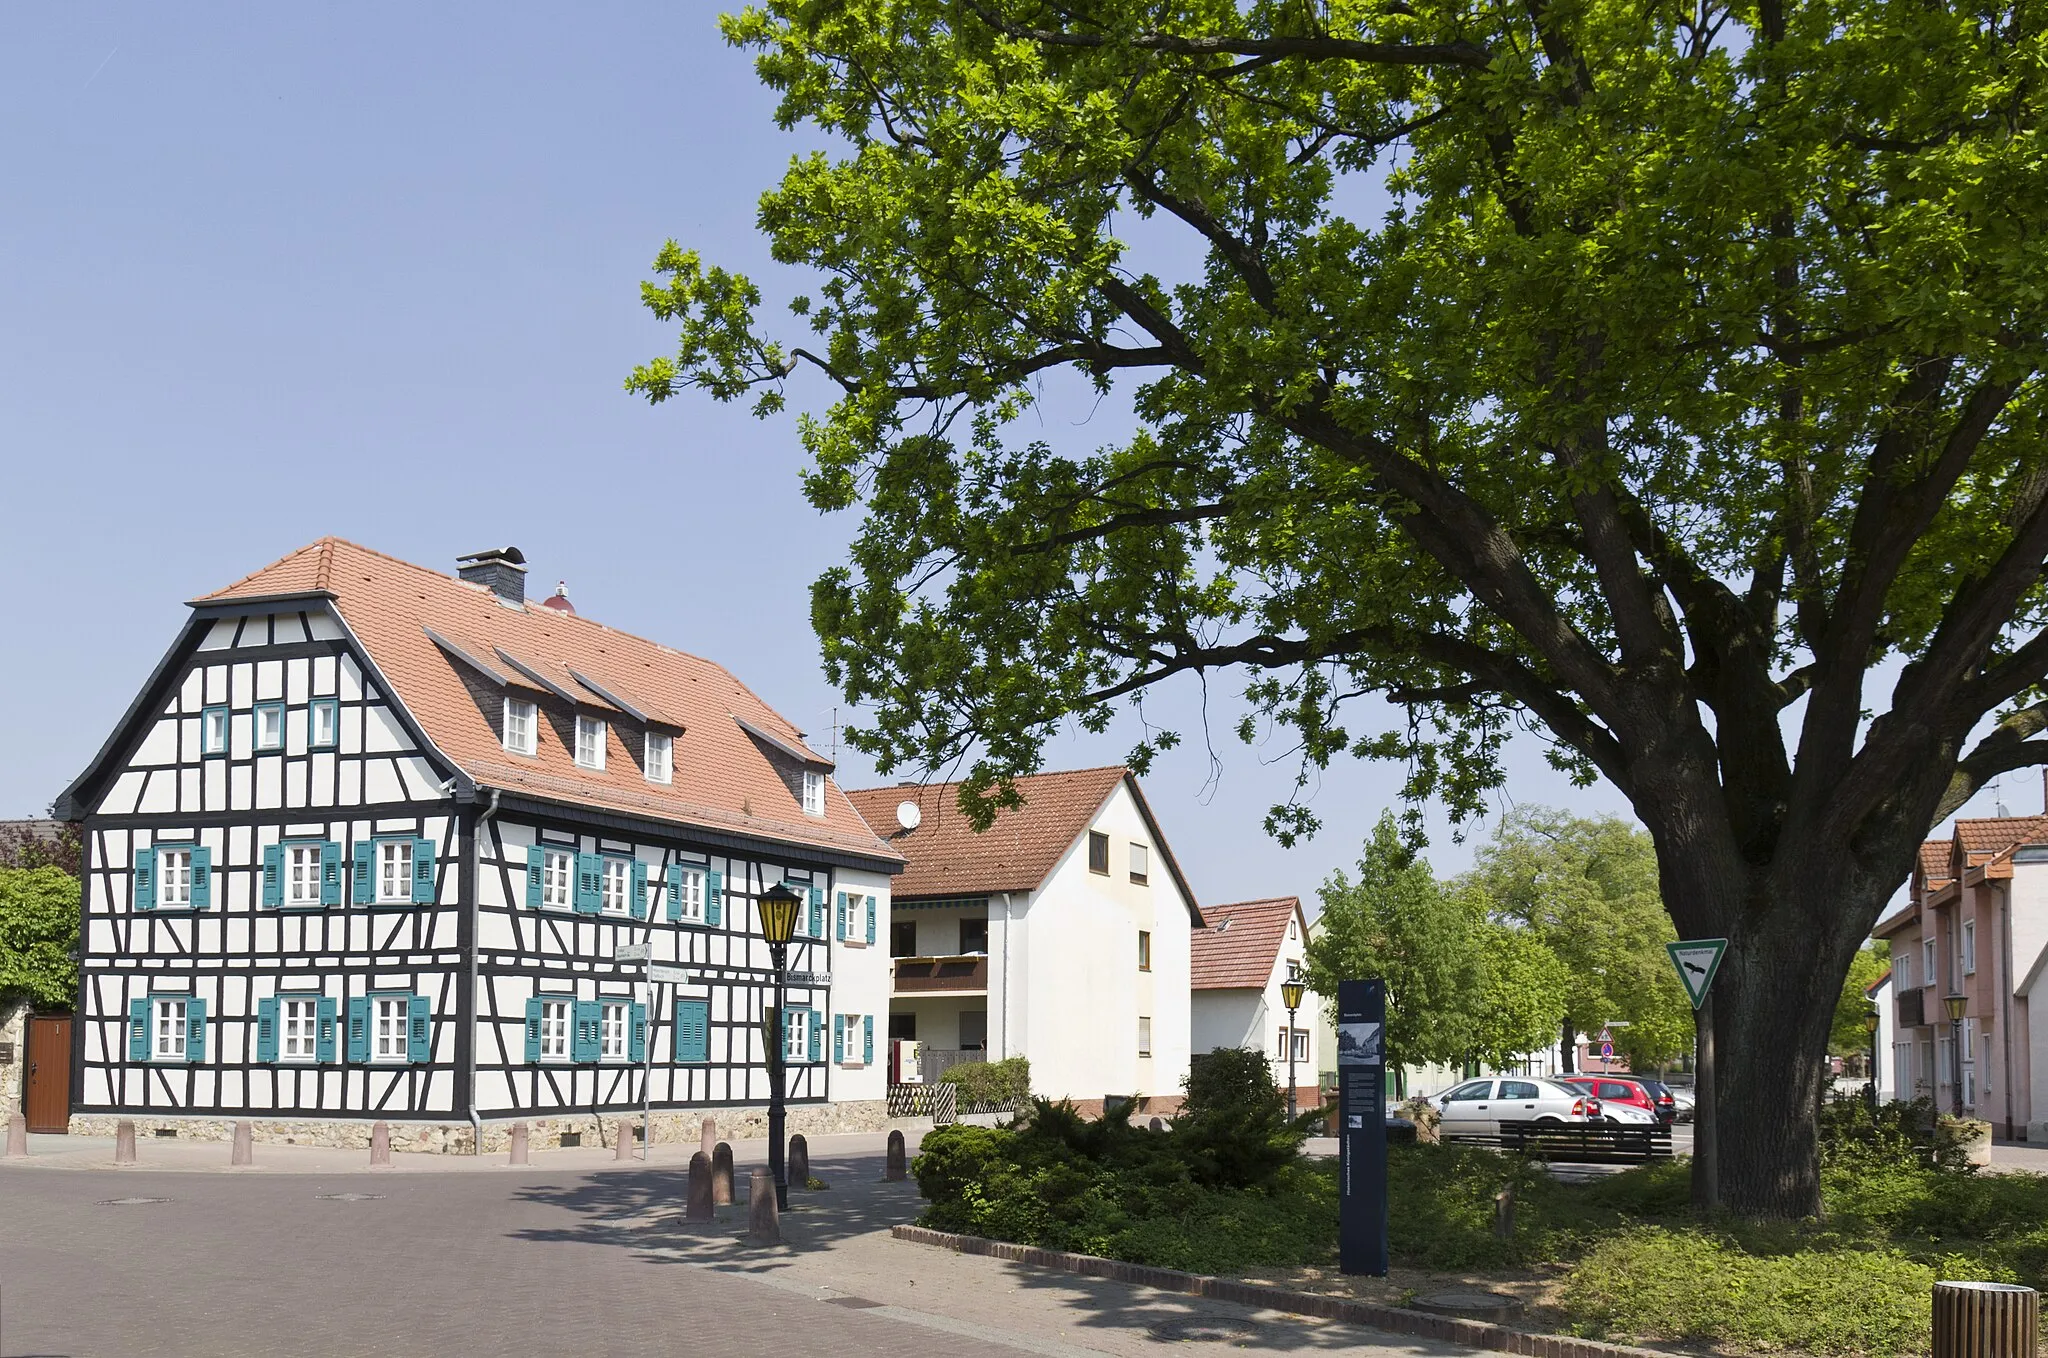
(1985, 1320)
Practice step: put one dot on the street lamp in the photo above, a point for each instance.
(1290, 995)
(778, 924)
(1956, 1004)
(1870, 1022)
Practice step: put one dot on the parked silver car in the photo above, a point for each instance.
(1476, 1108)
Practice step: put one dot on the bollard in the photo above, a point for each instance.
(17, 1137)
(623, 1150)
(519, 1144)
(1985, 1320)
(707, 1139)
(124, 1142)
(898, 1169)
(1504, 1213)
(799, 1161)
(721, 1175)
(380, 1146)
(764, 1226)
(699, 1208)
(244, 1152)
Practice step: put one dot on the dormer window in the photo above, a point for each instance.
(519, 726)
(814, 793)
(590, 743)
(661, 758)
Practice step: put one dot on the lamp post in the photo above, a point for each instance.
(1956, 1004)
(1290, 995)
(778, 923)
(1870, 1022)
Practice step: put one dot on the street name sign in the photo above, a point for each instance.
(1696, 962)
(632, 952)
(659, 972)
(810, 978)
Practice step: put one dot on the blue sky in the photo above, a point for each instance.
(275, 272)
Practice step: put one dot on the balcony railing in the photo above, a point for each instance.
(941, 975)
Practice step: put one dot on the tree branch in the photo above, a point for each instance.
(1465, 54)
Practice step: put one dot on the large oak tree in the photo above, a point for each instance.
(1663, 375)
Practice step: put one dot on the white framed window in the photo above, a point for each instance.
(1141, 864)
(302, 874)
(589, 743)
(1904, 970)
(213, 731)
(323, 723)
(298, 1024)
(394, 870)
(519, 726)
(557, 879)
(611, 1033)
(796, 1035)
(661, 758)
(814, 792)
(618, 886)
(390, 1021)
(168, 1030)
(850, 1038)
(1300, 1045)
(1969, 947)
(1293, 970)
(554, 1029)
(1144, 1037)
(1293, 930)
(173, 877)
(1928, 975)
(270, 726)
(690, 895)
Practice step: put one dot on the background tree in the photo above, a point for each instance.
(1847, 1036)
(38, 933)
(1517, 996)
(1661, 375)
(42, 844)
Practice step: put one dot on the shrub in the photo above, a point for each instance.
(1232, 1130)
(1000, 1084)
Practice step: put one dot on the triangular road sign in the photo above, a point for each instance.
(1697, 961)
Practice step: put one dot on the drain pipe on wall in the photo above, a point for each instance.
(2005, 995)
(476, 1120)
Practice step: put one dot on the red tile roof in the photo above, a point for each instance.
(1934, 860)
(1996, 834)
(725, 778)
(1238, 945)
(947, 857)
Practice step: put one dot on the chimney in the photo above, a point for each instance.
(502, 570)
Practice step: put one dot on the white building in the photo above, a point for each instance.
(366, 842)
(1060, 934)
(1243, 954)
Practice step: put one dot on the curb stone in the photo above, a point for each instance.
(1476, 1334)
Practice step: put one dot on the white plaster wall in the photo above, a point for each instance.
(861, 980)
(1226, 1018)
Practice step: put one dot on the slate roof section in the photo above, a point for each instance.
(1019, 851)
(405, 616)
(1239, 944)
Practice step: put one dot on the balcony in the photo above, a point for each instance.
(963, 974)
(1912, 1008)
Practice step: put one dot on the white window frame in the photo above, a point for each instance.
(381, 1008)
(852, 1049)
(214, 725)
(391, 851)
(1144, 1035)
(690, 895)
(557, 1029)
(301, 874)
(614, 1022)
(1969, 947)
(174, 877)
(298, 1027)
(796, 1036)
(169, 1027)
(521, 726)
(591, 738)
(267, 742)
(1141, 864)
(618, 873)
(558, 879)
(660, 758)
(814, 792)
(328, 710)
(1927, 961)
(1903, 969)
(1300, 1041)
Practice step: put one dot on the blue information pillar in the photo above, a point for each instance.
(1362, 1127)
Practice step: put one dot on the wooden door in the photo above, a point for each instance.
(49, 1074)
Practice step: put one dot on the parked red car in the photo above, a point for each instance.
(1624, 1089)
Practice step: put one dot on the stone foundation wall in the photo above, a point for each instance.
(672, 1126)
(13, 1071)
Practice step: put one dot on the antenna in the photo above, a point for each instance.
(835, 734)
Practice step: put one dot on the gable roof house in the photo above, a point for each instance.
(368, 839)
(1060, 934)
(1242, 955)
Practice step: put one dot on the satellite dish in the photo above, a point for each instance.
(908, 815)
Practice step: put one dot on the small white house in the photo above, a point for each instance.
(1060, 934)
(1243, 954)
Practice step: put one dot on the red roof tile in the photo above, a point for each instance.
(1238, 945)
(1996, 834)
(1934, 860)
(947, 857)
(724, 777)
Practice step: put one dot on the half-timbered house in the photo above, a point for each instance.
(370, 838)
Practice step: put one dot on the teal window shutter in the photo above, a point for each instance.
(817, 1033)
(714, 897)
(266, 1029)
(839, 1033)
(693, 1032)
(323, 1037)
(273, 876)
(195, 1030)
(419, 1032)
(536, 874)
(867, 1036)
(871, 924)
(424, 868)
(145, 879)
(638, 905)
(674, 876)
(587, 1040)
(589, 883)
(839, 917)
(358, 1030)
(532, 1031)
(636, 1032)
(138, 1029)
(363, 887)
(202, 877)
(817, 914)
(330, 873)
